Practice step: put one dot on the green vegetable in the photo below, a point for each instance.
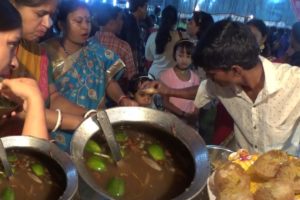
(12, 158)
(116, 187)
(96, 163)
(121, 137)
(38, 169)
(8, 194)
(156, 152)
(92, 147)
(122, 152)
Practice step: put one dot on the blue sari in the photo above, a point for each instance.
(82, 78)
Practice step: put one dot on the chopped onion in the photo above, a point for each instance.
(151, 163)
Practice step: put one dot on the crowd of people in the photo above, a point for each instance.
(71, 59)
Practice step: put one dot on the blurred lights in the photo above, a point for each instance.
(212, 3)
(276, 1)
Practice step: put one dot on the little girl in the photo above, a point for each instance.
(181, 76)
(143, 98)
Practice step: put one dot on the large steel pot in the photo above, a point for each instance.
(51, 151)
(88, 189)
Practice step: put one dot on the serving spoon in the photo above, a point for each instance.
(5, 163)
(108, 131)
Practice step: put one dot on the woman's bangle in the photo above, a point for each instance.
(58, 121)
(122, 97)
(89, 112)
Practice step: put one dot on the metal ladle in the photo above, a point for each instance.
(108, 131)
(5, 163)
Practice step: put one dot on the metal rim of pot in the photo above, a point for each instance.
(49, 149)
(188, 136)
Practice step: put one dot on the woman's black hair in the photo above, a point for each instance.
(29, 3)
(263, 29)
(260, 25)
(225, 44)
(168, 20)
(184, 44)
(10, 18)
(65, 8)
(135, 82)
(204, 21)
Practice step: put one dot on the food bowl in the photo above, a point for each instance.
(218, 155)
(56, 163)
(6, 106)
(163, 126)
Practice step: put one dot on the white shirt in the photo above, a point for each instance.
(273, 120)
(163, 61)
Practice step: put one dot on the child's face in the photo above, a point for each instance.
(143, 99)
(183, 59)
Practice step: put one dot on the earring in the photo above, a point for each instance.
(261, 47)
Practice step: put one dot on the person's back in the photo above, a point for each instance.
(159, 47)
(164, 61)
(132, 34)
(110, 21)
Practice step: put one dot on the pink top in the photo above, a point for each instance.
(170, 78)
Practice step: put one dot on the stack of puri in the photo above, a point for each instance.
(277, 175)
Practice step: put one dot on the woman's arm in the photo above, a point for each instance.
(68, 122)
(33, 104)
(59, 102)
(115, 92)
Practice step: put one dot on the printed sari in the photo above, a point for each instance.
(82, 77)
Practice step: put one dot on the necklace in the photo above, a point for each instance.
(65, 50)
(182, 71)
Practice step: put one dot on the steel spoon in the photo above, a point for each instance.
(108, 131)
(5, 163)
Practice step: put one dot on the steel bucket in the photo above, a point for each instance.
(88, 189)
(50, 150)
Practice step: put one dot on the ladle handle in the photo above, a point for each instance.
(105, 124)
(5, 163)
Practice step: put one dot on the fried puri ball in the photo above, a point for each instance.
(275, 190)
(235, 194)
(231, 176)
(267, 165)
(290, 172)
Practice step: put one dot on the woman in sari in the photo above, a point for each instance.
(33, 63)
(23, 89)
(83, 70)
